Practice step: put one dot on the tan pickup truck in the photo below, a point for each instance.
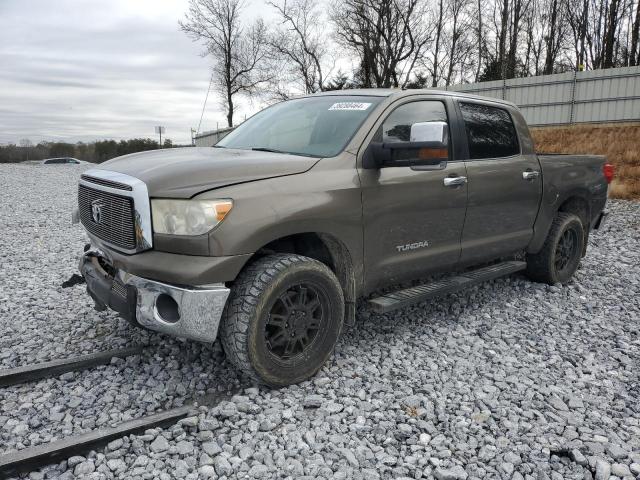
(269, 239)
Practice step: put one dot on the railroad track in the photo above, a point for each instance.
(33, 458)
(29, 373)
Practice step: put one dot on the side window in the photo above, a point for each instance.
(397, 126)
(490, 131)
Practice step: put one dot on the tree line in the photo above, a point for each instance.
(405, 43)
(95, 152)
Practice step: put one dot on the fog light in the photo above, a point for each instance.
(167, 308)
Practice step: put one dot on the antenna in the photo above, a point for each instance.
(204, 104)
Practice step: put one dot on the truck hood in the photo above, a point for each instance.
(185, 172)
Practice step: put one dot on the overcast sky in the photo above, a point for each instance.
(80, 70)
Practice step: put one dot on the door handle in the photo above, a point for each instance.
(454, 181)
(530, 175)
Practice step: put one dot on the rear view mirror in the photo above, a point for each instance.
(427, 149)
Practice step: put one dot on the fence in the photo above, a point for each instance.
(611, 95)
(208, 139)
(595, 96)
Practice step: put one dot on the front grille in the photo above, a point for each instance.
(116, 223)
(106, 183)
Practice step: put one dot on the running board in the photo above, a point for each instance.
(402, 298)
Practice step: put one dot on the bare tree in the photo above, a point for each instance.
(534, 41)
(238, 51)
(459, 46)
(480, 40)
(502, 42)
(577, 15)
(596, 31)
(410, 43)
(421, 34)
(435, 64)
(612, 21)
(635, 40)
(381, 33)
(553, 37)
(519, 9)
(301, 45)
(494, 47)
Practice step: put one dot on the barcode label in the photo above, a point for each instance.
(350, 106)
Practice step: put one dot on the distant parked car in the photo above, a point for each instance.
(62, 160)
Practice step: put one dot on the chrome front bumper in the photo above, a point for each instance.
(190, 312)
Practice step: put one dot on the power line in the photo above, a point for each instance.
(205, 104)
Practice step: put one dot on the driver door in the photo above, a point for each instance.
(413, 216)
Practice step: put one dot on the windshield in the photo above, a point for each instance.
(313, 126)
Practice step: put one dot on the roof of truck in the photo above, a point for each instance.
(398, 92)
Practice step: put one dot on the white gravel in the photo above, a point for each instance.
(508, 380)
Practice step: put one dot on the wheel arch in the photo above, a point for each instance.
(579, 206)
(327, 249)
(575, 201)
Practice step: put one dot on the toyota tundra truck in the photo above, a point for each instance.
(268, 239)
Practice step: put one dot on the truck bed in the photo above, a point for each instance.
(566, 173)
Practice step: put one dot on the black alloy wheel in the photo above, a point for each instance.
(566, 250)
(294, 321)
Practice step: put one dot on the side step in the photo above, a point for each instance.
(402, 298)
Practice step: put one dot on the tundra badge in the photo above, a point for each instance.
(412, 246)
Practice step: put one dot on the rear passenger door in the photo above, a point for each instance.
(504, 186)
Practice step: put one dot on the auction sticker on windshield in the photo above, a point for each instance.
(350, 106)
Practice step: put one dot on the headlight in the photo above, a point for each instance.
(188, 217)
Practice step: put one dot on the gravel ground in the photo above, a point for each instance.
(511, 379)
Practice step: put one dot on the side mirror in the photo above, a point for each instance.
(427, 149)
(430, 132)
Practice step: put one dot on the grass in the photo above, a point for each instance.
(619, 142)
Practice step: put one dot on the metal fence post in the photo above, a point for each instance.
(573, 96)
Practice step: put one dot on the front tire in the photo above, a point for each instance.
(560, 255)
(283, 318)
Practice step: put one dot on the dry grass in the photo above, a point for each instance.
(619, 142)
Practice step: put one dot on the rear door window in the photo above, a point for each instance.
(490, 131)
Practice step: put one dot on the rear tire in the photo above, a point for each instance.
(282, 319)
(560, 255)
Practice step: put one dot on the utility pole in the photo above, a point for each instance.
(160, 131)
(193, 137)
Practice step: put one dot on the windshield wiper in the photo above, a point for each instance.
(272, 150)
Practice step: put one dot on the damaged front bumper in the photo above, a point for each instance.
(190, 312)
